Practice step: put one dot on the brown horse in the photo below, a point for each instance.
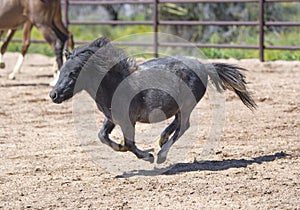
(43, 14)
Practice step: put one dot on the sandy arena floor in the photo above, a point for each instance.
(256, 164)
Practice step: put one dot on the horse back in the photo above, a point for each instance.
(187, 70)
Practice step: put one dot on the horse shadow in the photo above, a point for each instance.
(209, 165)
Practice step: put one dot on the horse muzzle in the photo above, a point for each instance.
(55, 96)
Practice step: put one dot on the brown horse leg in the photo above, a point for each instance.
(62, 34)
(58, 24)
(63, 30)
(57, 40)
(58, 49)
(65, 36)
(25, 44)
(9, 36)
(70, 41)
(2, 64)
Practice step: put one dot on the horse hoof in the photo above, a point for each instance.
(150, 158)
(11, 76)
(161, 157)
(2, 65)
(161, 160)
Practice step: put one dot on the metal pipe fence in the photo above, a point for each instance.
(156, 22)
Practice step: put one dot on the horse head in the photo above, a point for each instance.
(75, 61)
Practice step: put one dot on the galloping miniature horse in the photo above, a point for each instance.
(128, 93)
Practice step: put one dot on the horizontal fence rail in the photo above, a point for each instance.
(155, 22)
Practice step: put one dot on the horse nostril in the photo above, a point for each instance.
(53, 94)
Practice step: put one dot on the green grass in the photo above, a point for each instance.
(286, 38)
(40, 48)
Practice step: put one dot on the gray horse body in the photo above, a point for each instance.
(153, 91)
(145, 101)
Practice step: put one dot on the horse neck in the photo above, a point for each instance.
(100, 83)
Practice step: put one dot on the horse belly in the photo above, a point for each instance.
(156, 115)
(155, 106)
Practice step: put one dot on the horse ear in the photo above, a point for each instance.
(67, 54)
(100, 42)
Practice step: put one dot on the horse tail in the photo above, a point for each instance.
(226, 76)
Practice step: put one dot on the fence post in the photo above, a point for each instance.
(261, 30)
(155, 27)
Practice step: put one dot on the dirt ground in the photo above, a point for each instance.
(256, 164)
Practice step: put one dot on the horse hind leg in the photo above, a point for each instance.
(2, 64)
(56, 39)
(58, 49)
(164, 137)
(183, 125)
(62, 37)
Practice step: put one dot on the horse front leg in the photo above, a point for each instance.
(9, 36)
(129, 132)
(103, 135)
(25, 44)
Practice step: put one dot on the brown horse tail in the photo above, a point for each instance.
(230, 77)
